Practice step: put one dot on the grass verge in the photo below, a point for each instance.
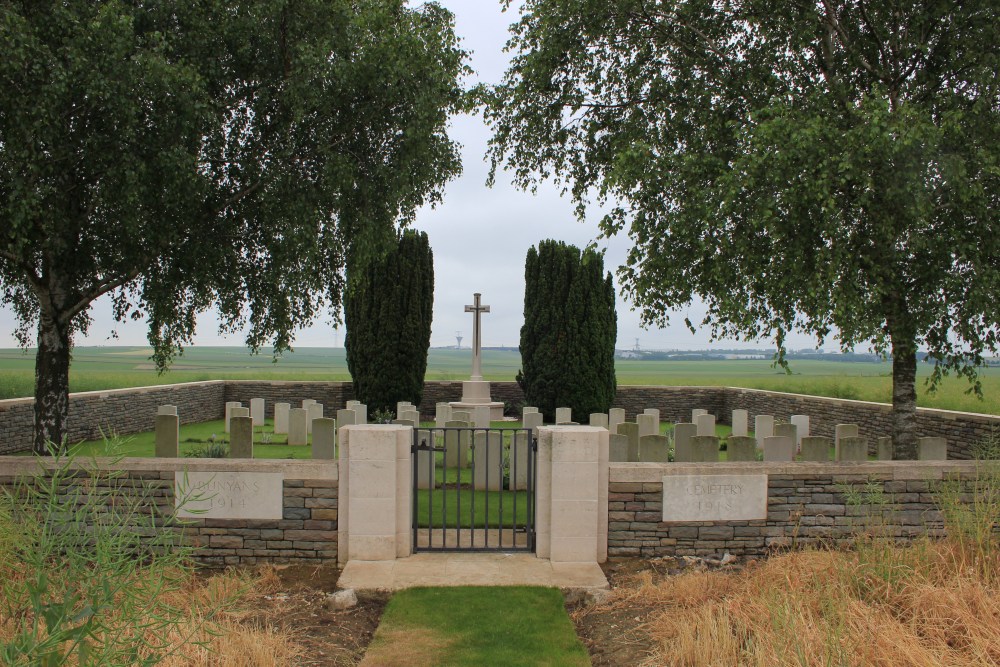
(476, 625)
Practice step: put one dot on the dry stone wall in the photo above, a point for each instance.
(806, 505)
(306, 533)
(121, 411)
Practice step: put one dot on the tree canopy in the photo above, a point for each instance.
(388, 310)
(829, 167)
(569, 332)
(183, 155)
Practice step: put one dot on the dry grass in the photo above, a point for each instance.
(936, 603)
(219, 620)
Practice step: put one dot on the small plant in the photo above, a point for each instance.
(89, 564)
(214, 450)
(382, 417)
(266, 437)
(987, 448)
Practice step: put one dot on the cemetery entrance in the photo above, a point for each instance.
(474, 489)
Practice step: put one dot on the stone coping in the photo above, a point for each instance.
(654, 472)
(290, 468)
(104, 393)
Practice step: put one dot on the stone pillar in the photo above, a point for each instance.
(375, 503)
(167, 436)
(572, 494)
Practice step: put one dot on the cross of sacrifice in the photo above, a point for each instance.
(477, 310)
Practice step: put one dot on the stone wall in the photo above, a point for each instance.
(121, 411)
(806, 505)
(307, 533)
(333, 395)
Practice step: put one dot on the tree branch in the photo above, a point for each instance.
(99, 289)
(831, 19)
(28, 269)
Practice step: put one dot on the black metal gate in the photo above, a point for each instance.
(474, 489)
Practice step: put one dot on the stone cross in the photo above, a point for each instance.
(477, 310)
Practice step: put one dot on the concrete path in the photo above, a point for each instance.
(470, 569)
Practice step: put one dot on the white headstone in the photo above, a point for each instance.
(616, 416)
(481, 416)
(652, 411)
(297, 433)
(456, 445)
(801, 427)
(705, 424)
(599, 419)
(426, 470)
(739, 422)
(843, 431)
(360, 413)
(229, 411)
(167, 436)
(779, 448)
(167, 410)
(442, 414)
(631, 431)
(313, 412)
(401, 407)
(532, 420)
(683, 449)
(241, 436)
(346, 417)
(487, 460)
(564, 415)
(324, 445)
(257, 411)
(654, 448)
(697, 412)
(518, 464)
(306, 402)
(281, 417)
(787, 431)
(648, 424)
(763, 427)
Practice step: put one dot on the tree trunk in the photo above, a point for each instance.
(904, 398)
(51, 382)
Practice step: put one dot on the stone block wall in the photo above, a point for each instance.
(307, 532)
(333, 395)
(806, 505)
(674, 403)
(121, 411)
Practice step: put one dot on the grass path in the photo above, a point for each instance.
(476, 626)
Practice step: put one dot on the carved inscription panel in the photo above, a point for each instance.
(229, 495)
(714, 497)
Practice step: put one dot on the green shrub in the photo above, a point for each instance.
(214, 450)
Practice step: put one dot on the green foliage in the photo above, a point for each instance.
(830, 168)
(184, 155)
(388, 311)
(214, 450)
(569, 332)
(87, 560)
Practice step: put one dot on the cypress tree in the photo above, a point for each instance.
(388, 310)
(569, 332)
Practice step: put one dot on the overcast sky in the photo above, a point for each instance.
(479, 236)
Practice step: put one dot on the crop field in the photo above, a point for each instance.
(95, 368)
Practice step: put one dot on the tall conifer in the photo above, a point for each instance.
(569, 332)
(388, 310)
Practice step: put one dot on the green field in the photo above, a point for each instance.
(96, 368)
